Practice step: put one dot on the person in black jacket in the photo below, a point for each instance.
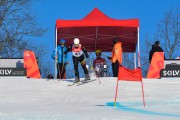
(158, 47)
(151, 52)
(155, 48)
(78, 52)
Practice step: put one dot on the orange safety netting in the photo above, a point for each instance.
(157, 63)
(30, 63)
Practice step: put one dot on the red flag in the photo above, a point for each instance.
(129, 75)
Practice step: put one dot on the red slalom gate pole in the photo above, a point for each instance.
(116, 93)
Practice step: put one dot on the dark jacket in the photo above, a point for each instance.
(155, 48)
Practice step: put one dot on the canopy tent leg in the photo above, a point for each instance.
(139, 65)
(135, 60)
(55, 62)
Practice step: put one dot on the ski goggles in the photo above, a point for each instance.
(76, 45)
(62, 43)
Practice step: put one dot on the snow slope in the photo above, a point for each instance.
(41, 99)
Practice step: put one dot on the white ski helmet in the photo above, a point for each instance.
(76, 41)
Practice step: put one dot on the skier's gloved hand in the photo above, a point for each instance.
(65, 52)
(87, 56)
(108, 57)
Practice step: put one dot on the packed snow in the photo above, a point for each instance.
(42, 99)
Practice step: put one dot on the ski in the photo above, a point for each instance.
(84, 82)
(72, 84)
(81, 82)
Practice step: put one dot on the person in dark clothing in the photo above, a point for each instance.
(151, 52)
(78, 52)
(155, 48)
(158, 47)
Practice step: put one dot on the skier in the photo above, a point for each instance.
(61, 58)
(99, 64)
(78, 52)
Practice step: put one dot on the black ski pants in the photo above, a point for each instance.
(115, 68)
(76, 61)
(61, 69)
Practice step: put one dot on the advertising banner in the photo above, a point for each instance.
(12, 72)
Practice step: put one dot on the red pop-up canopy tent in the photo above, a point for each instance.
(97, 30)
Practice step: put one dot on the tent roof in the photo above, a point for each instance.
(97, 30)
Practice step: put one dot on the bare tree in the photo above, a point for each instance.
(169, 32)
(18, 26)
(19, 31)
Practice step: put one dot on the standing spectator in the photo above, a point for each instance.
(62, 60)
(155, 48)
(158, 47)
(116, 57)
(78, 52)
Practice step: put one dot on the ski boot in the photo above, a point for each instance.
(86, 77)
(77, 80)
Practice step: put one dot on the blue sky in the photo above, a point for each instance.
(149, 12)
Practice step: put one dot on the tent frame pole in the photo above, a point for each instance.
(135, 60)
(139, 65)
(55, 62)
